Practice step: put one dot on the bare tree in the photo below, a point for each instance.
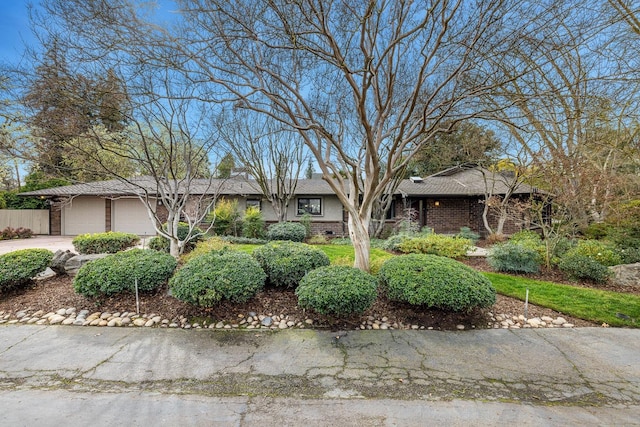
(168, 137)
(273, 156)
(562, 104)
(364, 83)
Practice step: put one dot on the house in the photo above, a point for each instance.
(444, 201)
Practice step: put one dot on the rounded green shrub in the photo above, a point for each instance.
(104, 243)
(337, 290)
(287, 262)
(579, 266)
(162, 244)
(293, 231)
(217, 275)
(435, 281)
(436, 244)
(118, 273)
(512, 257)
(18, 267)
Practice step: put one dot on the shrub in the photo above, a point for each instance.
(100, 243)
(15, 233)
(253, 223)
(579, 266)
(318, 239)
(598, 251)
(435, 281)
(393, 242)
(305, 220)
(118, 273)
(436, 244)
(293, 231)
(18, 267)
(511, 257)
(205, 246)
(217, 275)
(287, 262)
(163, 244)
(337, 291)
(225, 217)
(466, 233)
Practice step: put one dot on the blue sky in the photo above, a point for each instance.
(14, 29)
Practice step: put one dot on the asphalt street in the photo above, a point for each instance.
(54, 375)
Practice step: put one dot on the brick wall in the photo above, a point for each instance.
(448, 215)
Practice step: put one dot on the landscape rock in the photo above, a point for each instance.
(60, 258)
(626, 274)
(46, 274)
(73, 264)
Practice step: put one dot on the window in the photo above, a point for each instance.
(312, 206)
(254, 203)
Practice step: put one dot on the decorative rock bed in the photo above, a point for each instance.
(69, 316)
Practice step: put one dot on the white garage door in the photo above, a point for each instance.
(130, 216)
(84, 215)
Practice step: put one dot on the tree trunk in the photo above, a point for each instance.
(359, 233)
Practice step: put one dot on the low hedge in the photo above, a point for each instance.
(293, 231)
(337, 291)
(218, 275)
(18, 267)
(436, 244)
(287, 262)
(101, 243)
(435, 282)
(118, 273)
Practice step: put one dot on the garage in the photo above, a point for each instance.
(83, 215)
(129, 215)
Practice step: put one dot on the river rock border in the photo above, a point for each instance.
(70, 316)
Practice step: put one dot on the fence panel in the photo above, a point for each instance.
(37, 220)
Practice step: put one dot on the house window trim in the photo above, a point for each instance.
(320, 199)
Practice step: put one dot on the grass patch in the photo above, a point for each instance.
(585, 303)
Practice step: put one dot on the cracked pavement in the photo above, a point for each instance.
(586, 376)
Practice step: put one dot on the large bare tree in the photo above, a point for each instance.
(364, 83)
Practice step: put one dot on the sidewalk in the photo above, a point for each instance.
(80, 375)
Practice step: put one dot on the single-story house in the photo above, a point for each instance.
(444, 201)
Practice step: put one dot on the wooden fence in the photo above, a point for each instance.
(36, 220)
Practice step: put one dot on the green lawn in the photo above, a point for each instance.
(589, 304)
(584, 303)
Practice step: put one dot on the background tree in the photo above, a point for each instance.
(226, 166)
(565, 110)
(271, 155)
(466, 142)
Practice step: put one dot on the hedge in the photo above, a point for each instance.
(287, 262)
(18, 267)
(101, 243)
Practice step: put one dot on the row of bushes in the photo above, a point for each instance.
(581, 259)
(222, 274)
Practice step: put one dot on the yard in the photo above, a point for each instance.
(579, 303)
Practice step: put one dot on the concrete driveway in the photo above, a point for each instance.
(53, 243)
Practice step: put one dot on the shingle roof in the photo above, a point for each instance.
(457, 181)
